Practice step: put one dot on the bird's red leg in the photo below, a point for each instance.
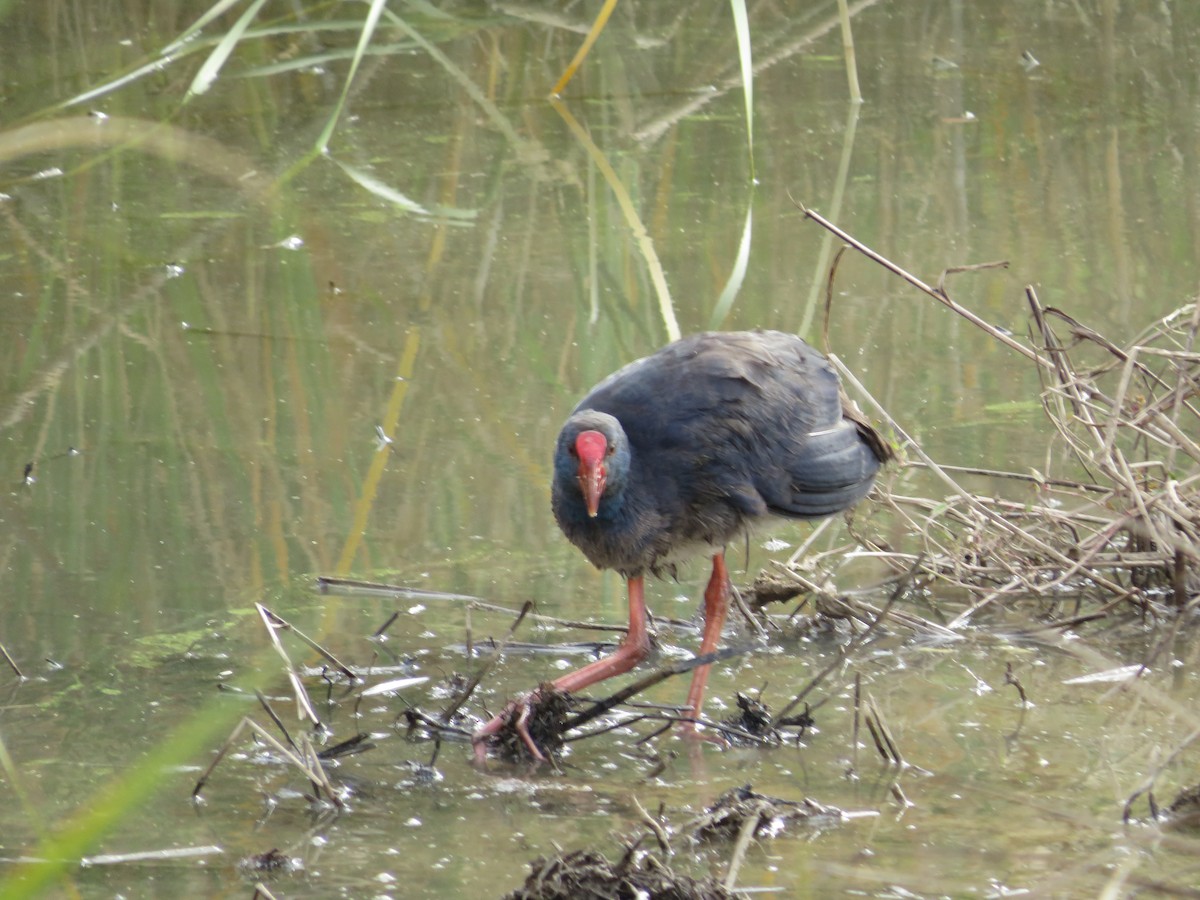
(716, 604)
(633, 649)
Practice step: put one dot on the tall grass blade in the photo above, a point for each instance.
(848, 51)
(430, 10)
(584, 48)
(381, 190)
(320, 60)
(175, 50)
(128, 78)
(60, 852)
(820, 273)
(364, 41)
(215, 11)
(490, 109)
(738, 276)
(632, 219)
(741, 26)
(593, 246)
(216, 60)
(396, 198)
(370, 486)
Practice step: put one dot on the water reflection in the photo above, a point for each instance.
(220, 320)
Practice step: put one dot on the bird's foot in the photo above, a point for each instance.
(510, 730)
(514, 717)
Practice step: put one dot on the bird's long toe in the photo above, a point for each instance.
(522, 726)
(483, 736)
(515, 719)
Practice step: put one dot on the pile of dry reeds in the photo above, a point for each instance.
(1115, 517)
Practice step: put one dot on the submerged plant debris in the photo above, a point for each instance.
(738, 816)
(741, 808)
(272, 863)
(589, 875)
(1184, 811)
(753, 718)
(755, 725)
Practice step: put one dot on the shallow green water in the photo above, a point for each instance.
(219, 327)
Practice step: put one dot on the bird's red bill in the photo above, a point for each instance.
(591, 447)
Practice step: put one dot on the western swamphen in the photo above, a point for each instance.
(679, 453)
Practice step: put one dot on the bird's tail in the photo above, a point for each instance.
(834, 470)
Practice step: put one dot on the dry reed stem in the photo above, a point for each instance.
(303, 758)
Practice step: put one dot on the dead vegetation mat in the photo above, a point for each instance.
(589, 875)
(1108, 523)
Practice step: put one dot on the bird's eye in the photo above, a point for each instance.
(611, 450)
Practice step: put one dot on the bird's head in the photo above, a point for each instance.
(593, 452)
